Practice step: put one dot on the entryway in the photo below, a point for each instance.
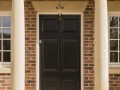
(60, 61)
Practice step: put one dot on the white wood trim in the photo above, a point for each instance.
(5, 70)
(5, 13)
(37, 46)
(114, 70)
(37, 55)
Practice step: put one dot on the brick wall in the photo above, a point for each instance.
(114, 81)
(89, 46)
(30, 46)
(4, 81)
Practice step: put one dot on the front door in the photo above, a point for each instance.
(60, 52)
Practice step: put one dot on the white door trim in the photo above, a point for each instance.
(37, 45)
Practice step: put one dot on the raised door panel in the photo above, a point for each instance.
(50, 54)
(69, 54)
(47, 26)
(70, 84)
(50, 84)
(69, 25)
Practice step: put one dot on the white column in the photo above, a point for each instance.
(101, 45)
(18, 46)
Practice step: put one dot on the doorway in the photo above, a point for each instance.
(60, 52)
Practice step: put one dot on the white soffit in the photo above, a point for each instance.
(113, 6)
(5, 6)
(69, 6)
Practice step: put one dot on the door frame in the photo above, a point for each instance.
(38, 42)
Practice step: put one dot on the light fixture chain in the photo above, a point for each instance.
(59, 8)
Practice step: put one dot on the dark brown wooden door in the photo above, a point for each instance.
(60, 52)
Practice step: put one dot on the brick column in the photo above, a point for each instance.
(18, 46)
(101, 45)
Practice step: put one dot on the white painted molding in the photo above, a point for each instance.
(114, 71)
(5, 70)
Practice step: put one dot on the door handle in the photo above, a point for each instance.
(40, 41)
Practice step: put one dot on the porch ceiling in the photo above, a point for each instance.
(6, 6)
(44, 6)
(113, 6)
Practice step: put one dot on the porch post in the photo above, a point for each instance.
(101, 45)
(18, 46)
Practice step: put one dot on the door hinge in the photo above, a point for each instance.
(40, 41)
